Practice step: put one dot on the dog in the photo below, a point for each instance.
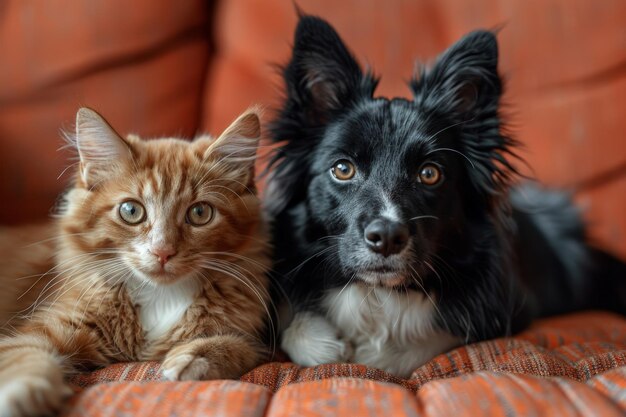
(399, 231)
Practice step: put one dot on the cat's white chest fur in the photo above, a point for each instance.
(161, 307)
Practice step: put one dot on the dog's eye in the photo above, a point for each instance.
(430, 174)
(343, 170)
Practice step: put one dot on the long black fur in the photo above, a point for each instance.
(493, 258)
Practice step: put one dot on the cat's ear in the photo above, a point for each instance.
(322, 77)
(100, 148)
(235, 149)
(464, 80)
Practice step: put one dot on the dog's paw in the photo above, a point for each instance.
(312, 340)
(188, 367)
(32, 396)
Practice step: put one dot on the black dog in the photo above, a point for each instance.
(397, 233)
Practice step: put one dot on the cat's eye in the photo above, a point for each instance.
(343, 170)
(430, 174)
(199, 214)
(132, 212)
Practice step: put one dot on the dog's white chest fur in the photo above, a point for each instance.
(380, 327)
(162, 306)
(389, 329)
(380, 315)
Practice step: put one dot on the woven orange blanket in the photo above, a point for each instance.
(567, 366)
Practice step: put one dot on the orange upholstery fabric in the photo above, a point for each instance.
(567, 366)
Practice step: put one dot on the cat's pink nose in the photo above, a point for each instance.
(164, 254)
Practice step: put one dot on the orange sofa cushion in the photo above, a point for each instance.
(568, 366)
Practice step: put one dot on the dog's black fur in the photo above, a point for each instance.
(494, 256)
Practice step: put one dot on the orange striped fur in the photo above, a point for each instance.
(96, 305)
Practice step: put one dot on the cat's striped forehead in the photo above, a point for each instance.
(162, 169)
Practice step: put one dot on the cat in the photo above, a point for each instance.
(160, 253)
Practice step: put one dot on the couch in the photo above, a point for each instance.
(157, 67)
(566, 366)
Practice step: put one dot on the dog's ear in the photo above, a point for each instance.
(464, 85)
(322, 76)
(322, 80)
(464, 80)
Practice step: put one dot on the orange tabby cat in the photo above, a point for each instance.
(161, 254)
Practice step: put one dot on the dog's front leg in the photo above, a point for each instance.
(312, 340)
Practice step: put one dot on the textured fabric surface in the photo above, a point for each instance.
(568, 366)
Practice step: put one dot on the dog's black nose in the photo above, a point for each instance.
(386, 237)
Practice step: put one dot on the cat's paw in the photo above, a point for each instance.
(32, 396)
(312, 340)
(188, 367)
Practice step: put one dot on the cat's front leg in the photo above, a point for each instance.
(31, 377)
(215, 357)
(312, 340)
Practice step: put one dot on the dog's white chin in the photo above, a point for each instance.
(382, 279)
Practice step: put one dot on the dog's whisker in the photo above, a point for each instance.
(450, 127)
(455, 151)
(426, 216)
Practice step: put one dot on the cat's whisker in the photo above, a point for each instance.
(269, 319)
(60, 278)
(252, 261)
(233, 267)
(230, 270)
(53, 238)
(232, 191)
(84, 270)
(94, 289)
(218, 269)
(244, 186)
(261, 242)
(236, 256)
(54, 270)
(220, 196)
(70, 166)
(120, 279)
(41, 276)
(222, 162)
